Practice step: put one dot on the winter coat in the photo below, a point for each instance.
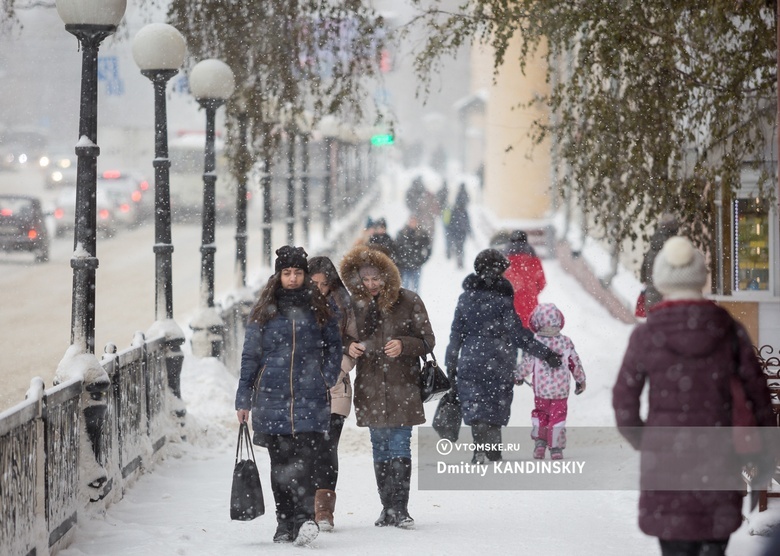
(287, 368)
(459, 225)
(526, 275)
(412, 248)
(341, 393)
(384, 243)
(387, 390)
(485, 336)
(685, 353)
(549, 383)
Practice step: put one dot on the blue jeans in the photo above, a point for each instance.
(391, 443)
(410, 279)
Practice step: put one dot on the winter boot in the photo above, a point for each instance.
(556, 453)
(492, 437)
(402, 479)
(478, 458)
(306, 533)
(540, 449)
(384, 481)
(324, 505)
(284, 531)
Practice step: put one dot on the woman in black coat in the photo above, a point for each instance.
(482, 354)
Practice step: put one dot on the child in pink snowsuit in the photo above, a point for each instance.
(551, 386)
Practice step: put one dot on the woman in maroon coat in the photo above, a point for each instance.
(686, 352)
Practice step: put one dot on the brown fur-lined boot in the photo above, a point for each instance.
(324, 505)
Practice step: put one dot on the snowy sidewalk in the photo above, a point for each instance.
(180, 508)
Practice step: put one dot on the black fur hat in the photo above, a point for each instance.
(490, 262)
(291, 257)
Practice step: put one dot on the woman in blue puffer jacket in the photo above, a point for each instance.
(292, 356)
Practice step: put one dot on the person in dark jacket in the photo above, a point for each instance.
(380, 239)
(326, 278)
(412, 251)
(668, 226)
(481, 357)
(686, 355)
(291, 357)
(393, 333)
(458, 225)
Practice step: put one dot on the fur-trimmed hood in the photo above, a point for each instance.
(361, 256)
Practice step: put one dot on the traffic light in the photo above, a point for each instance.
(382, 140)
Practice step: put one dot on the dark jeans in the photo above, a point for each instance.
(292, 474)
(693, 548)
(391, 443)
(326, 468)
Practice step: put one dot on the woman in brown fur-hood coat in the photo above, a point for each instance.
(392, 326)
(387, 389)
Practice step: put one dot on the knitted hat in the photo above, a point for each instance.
(490, 262)
(679, 271)
(291, 257)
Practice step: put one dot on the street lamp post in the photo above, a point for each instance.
(269, 115)
(158, 50)
(90, 21)
(329, 129)
(303, 123)
(241, 204)
(211, 83)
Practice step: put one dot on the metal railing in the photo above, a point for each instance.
(67, 449)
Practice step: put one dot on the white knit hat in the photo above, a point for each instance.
(679, 271)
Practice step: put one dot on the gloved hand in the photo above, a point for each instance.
(580, 388)
(554, 360)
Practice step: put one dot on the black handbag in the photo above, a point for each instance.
(448, 416)
(433, 382)
(246, 494)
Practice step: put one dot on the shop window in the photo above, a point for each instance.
(751, 244)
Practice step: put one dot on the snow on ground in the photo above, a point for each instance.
(180, 508)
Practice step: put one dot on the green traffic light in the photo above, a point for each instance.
(381, 140)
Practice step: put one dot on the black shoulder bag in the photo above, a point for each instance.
(246, 494)
(433, 381)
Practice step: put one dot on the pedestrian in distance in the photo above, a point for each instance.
(291, 358)
(326, 278)
(525, 273)
(551, 385)
(394, 332)
(412, 251)
(686, 354)
(481, 357)
(668, 227)
(459, 225)
(380, 239)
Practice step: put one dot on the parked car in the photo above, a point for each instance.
(65, 213)
(23, 227)
(131, 193)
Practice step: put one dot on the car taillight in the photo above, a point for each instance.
(59, 213)
(136, 196)
(104, 214)
(124, 207)
(112, 174)
(32, 233)
(6, 212)
(144, 185)
(248, 195)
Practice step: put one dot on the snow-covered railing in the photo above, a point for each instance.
(77, 447)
